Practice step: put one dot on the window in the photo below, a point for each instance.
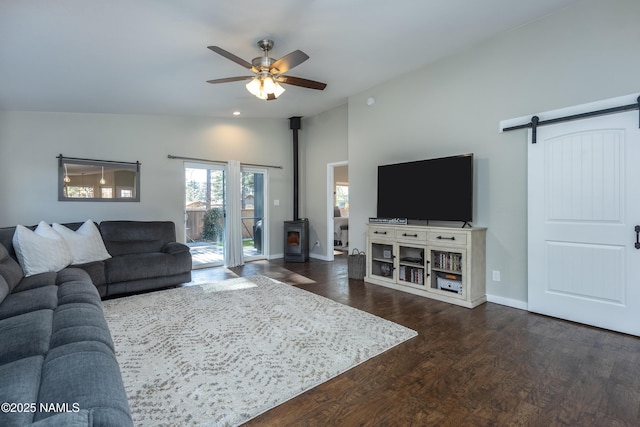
(78, 192)
(342, 198)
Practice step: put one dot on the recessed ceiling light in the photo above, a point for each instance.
(236, 113)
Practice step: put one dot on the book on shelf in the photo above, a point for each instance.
(411, 274)
(447, 261)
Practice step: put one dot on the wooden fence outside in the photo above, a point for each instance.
(195, 223)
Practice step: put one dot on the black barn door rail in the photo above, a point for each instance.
(535, 120)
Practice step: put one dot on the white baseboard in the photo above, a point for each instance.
(320, 256)
(316, 256)
(508, 302)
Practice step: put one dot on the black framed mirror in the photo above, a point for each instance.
(97, 180)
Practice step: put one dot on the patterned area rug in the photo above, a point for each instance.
(222, 353)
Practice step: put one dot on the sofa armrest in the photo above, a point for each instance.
(174, 248)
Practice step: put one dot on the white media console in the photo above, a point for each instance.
(443, 263)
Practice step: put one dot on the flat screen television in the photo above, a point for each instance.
(433, 189)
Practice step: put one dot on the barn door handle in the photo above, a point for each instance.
(637, 230)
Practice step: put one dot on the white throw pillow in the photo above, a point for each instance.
(41, 250)
(85, 243)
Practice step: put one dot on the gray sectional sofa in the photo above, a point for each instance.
(57, 360)
(144, 256)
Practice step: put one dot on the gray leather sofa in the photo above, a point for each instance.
(57, 360)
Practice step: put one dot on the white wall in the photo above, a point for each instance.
(583, 53)
(323, 140)
(30, 142)
(341, 175)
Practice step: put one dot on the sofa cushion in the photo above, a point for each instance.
(131, 237)
(20, 383)
(71, 274)
(174, 248)
(85, 243)
(95, 270)
(40, 250)
(4, 289)
(18, 303)
(134, 247)
(87, 373)
(79, 322)
(81, 418)
(36, 281)
(9, 269)
(6, 239)
(25, 335)
(78, 292)
(141, 266)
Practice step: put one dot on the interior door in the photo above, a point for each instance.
(584, 205)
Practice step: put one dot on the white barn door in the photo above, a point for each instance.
(584, 204)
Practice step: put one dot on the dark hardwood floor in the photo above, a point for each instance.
(490, 366)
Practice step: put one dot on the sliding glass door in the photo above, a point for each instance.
(205, 213)
(253, 216)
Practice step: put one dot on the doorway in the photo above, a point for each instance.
(337, 208)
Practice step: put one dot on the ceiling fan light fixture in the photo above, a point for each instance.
(279, 90)
(263, 87)
(254, 86)
(262, 95)
(269, 85)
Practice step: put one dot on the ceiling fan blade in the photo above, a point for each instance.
(298, 81)
(230, 79)
(231, 56)
(289, 61)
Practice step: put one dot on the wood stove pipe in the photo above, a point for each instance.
(295, 125)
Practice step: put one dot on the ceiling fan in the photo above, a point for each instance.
(268, 72)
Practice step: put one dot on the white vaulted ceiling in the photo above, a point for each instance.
(151, 56)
